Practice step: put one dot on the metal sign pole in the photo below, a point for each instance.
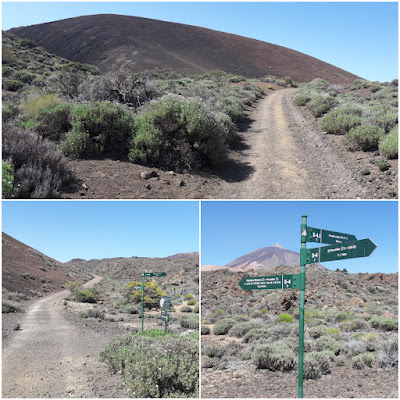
(303, 251)
(143, 301)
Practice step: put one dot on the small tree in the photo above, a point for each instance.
(74, 286)
(152, 293)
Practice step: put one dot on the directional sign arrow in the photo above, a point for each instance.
(270, 282)
(352, 249)
(329, 237)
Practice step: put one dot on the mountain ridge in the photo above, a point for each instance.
(109, 40)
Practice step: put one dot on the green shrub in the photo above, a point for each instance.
(364, 137)
(319, 105)
(207, 362)
(186, 309)
(12, 85)
(317, 331)
(160, 366)
(212, 350)
(363, 360)
(233, 107)
(174, 132)
(40, 169)
(196, 308)
(388, 355)
(255, 334)
(382, 164)
(89, 295)
(205, 330)
(301, 99)
(332, 331)
(319, 84)
(385, 324)
(94, 313)
(356, 324)
(222, 327)
(340, 360)
(241, 328)
(340, 124)
(388, 145)
(24, 76)
(284, 318)
(192, 302)
(38, 103)
(327, 343)
(52, 123)
(316, 364)
(275, 357)
(189, 321)
(7, 307)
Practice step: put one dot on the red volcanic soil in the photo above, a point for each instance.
(184, 256)
(26, 270)
(109, 40)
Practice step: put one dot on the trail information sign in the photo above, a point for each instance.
(329, 237)
(353, 249)
(343, 246)
(165, 303)
(137, 288)
(270, 282)
(164, 316)
(154, 274)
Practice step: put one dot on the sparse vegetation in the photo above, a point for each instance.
(155, 365)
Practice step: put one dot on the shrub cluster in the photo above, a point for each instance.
(176, 132)
(275, 357)
(39, 167)
(155, 365)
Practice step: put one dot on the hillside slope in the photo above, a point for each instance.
(28, 271)
(109, 40)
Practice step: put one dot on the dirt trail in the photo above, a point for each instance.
(49, 357)
(290, 158)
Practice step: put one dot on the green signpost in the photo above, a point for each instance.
(144, 275)
(270, 282)
(165, 306)
(343, 246)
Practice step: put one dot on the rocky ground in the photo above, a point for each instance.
(343, 382)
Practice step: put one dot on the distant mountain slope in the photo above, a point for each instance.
(266, 258)
(26, 270)
(109, 40)
(184, 256)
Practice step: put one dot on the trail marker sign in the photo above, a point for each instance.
(328, 237)
(154, 274)
(353, 249)
(270, 282)
(165, 303)
(137, 288)
(342, 246)
(143, 276)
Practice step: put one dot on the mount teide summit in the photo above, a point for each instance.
(266, 258)
(109, 40)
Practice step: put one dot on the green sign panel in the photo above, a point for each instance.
(353, 249)
(165, 303)
(164, 316)
(154, 274)
(329, 237)
(270, 282)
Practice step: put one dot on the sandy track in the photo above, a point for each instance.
(49, 357)
(291, 159)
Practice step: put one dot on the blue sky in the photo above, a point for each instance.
(232, 229)
(360, 37)
(99, 229)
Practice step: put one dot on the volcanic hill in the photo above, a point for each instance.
(108, 41)
(28, 271)
(264, 259)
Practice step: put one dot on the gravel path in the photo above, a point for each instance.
(290, 158)
(50, 357)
